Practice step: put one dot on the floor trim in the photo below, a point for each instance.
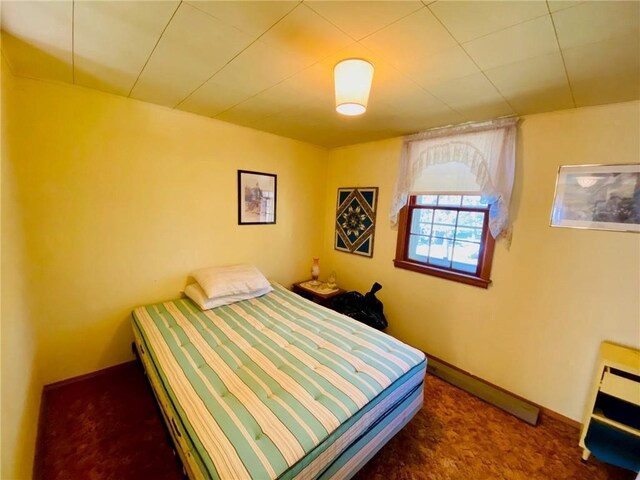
(545, 412)
(86, 376)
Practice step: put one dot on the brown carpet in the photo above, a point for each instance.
(108, 427)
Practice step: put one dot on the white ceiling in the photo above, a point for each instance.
(269, 64)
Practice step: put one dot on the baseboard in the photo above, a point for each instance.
(516, 405)
(86, 376)
(562, 418)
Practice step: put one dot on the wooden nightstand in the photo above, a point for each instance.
(320, 298)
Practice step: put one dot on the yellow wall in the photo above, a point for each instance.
(556, 293)
(108, 202)
(121, 199)
(19, 374)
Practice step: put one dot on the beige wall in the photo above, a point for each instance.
(556, 293)
(107, 204)
(21, 386)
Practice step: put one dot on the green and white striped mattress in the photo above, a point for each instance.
(277, 386)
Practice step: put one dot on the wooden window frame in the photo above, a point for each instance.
(485, 257)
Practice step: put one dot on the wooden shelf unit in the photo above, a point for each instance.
(614, 402)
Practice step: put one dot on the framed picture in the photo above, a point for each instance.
(601, 197)
(356, 220)
(257, 193)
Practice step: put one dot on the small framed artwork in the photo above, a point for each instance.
(257, 194)
(601, 197)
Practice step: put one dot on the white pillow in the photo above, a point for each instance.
(195, 293)
(232, 280)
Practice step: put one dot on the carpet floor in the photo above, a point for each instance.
(109, 427)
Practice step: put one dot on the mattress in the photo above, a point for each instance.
(276, 387)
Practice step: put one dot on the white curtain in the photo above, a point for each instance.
(486, 149)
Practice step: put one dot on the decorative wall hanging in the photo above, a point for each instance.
(600, 197)
(256, 198)
(356, 220)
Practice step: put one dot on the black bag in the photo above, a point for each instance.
(364, 308)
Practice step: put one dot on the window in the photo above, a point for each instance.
(446, 236)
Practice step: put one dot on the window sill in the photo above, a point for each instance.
(446, 274)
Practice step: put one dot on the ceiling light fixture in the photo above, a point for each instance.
(353, 78)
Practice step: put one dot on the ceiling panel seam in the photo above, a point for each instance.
(411, 79)
(253, 122)
(154, 48)
(275, 85)
(473, 60)
(564, 65)
(500, 29)
(235, 56)
(359, 42)
(255, 95)
(404, 74)
(320, 60)
(426, 90)
(395, 21)
(567, 7)
(328, 20)
(369, 34)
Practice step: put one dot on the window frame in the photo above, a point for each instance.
(481, 279)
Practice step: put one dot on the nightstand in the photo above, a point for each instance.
(316, 295)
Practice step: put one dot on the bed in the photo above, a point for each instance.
(275, 387)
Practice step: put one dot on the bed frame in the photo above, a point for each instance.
(178, 436)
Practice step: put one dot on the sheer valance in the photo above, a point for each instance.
(486, 149)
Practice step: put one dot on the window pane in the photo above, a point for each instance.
(426, 215)
(470, 234)
(440, 252)
(423, 229)
(442, 231)
(418, 248)
(449, 200)
(415, 222)
(465, 256)
(473, 201)
(445, 217)
(471, 219)
(421, 221)
(427, 199)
